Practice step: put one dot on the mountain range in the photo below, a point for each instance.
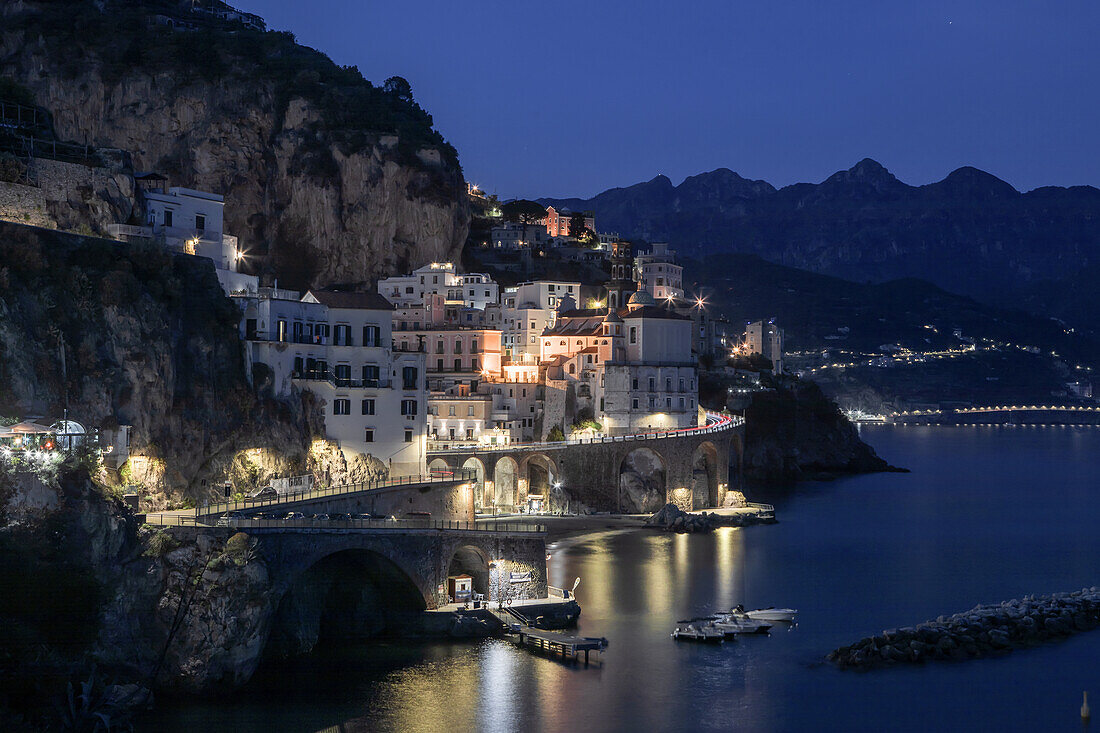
(970, 233)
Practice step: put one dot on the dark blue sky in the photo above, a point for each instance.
(571, 98)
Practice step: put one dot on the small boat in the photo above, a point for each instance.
(767, 614)
(734, 625)
(698, 633)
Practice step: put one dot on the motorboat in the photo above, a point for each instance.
(698, 633)
(767, 614)
(741, 625)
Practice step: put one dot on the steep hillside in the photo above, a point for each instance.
(132, 335)
(969, 233)
(327, 178)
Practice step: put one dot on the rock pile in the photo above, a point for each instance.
(980, 632)
(673, 519)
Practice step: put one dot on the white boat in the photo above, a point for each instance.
(767, 614)
(698, 633)
(734, 625)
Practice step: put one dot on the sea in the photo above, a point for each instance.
(985, 514)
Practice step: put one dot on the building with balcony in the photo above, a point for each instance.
(512, 235)
(340, 347)
(656, 272)
(454, 356)
(526, 311)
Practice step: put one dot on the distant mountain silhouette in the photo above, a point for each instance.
(970, 233)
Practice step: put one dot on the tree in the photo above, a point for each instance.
(576, 226)
(399, 87)
(523, 212)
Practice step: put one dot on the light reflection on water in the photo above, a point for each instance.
(986, 515)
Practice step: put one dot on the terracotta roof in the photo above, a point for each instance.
(341, 299)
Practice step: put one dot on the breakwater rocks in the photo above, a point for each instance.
(980, 632)
(673, 519)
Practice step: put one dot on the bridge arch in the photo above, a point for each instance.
(438, 464)
(539, 472)
(475, 464)
(348, 594)
(643, 481)
(704, 474)
(505, 483)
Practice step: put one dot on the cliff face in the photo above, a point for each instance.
(326, 179)
(132, 335)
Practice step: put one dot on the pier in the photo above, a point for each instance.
(557, 644)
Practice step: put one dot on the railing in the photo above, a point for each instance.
(449, 476)
(553, 592)
(395, 525)
(767, 508)
(721, 423)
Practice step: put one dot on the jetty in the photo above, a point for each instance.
(557, 644)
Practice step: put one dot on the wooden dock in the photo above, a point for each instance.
(556, 644)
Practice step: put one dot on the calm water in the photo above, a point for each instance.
(986, 515)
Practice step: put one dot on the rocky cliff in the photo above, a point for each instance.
(795, 432)
(133, 335)
(327, 178)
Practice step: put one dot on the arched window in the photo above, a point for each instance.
(563, 343)
(572, 368)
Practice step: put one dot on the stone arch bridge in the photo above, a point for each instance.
(693, 468)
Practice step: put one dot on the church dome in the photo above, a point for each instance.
(612, 317)
(641, 298)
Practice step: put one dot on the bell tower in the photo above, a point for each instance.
(621, 284)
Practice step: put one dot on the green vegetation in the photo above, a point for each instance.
(123, 36)
(160, 543)
(555, 434)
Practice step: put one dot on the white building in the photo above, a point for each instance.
(510, 235)
(529, 309)
(339, 346)
(656, 272)
(633, 367)
(472, 290)
(190, 221)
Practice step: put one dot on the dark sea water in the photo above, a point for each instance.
(986, 515)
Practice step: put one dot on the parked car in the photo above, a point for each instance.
(229, 517)
(339, 517)
(322, 517)
(295, 515)
(267, 492)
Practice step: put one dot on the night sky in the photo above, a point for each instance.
(571, 98)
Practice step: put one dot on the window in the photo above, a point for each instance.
(408, 377)
(167, 217)
(458, 346)
(458, 365)
(451, 410)
(372, 336)
(633, 334)
(634, 403)
(668, 384)
(439, 347)
(409, 290)
(370, 375)
(343, 374)
(681, 384)
(473, 346)
(439, 365)
(601, 404)
(298, 365)
(634, 383)
(408, 436)
(280, 331)
(470, 411)
(341, 407)
(296, 331)
(200, 222)
(652, 384)
(368, 406)
(368, 436)
(408, 407)
(668, 403)
(681, 403)
(469, 433)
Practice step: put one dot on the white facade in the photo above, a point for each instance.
(472, 290)
(339, 346)
(657, 273)
(529, 309)
(191, 221)
(510, 235)
(765, 338)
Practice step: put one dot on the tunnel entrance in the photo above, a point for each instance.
(468, 561)
(346, 597)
